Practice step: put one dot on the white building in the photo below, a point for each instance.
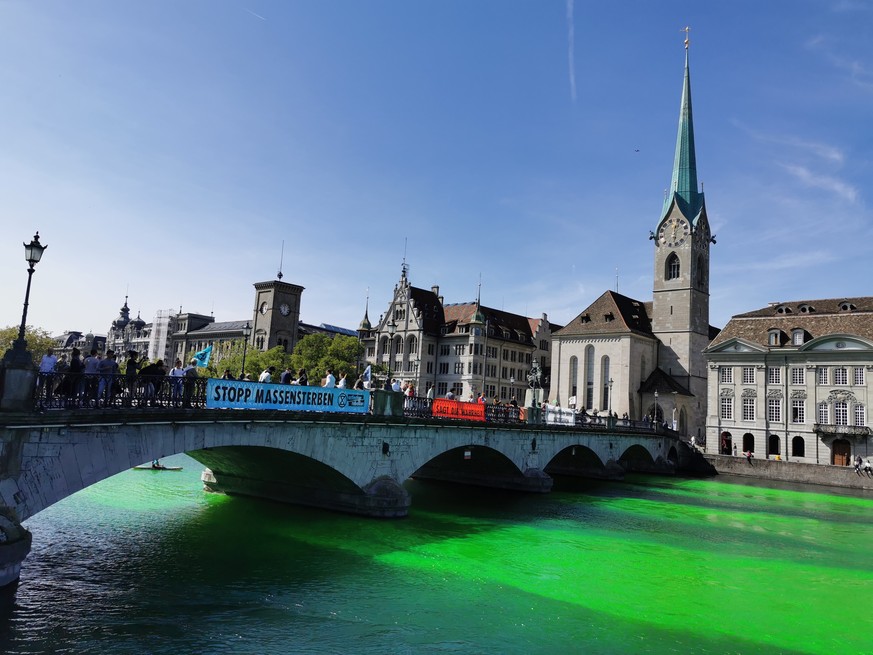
(791, 380)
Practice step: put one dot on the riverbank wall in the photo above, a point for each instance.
(771, 469)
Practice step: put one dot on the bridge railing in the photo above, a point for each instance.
(80, 390)
(58, 391)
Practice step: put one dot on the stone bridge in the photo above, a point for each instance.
(350, 463)
(344, 462)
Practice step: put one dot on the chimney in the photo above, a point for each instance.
(435, 289)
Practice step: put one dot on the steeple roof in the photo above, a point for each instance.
(684, 187)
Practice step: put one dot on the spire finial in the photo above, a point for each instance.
(686, 29)
(281, 259)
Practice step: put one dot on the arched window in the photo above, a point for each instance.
(383, 346)
(748, 442)
(672, 267)
(773, 445)
(604, 381)
(574, 376)
(411, 345)
(589, 377)
(798, 447)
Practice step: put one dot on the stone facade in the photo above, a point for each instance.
(466, 348)
(792, 380)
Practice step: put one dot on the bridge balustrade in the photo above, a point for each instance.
(80, 390)
(59, 391)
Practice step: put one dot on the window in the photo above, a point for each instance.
(822, 375)
(858, 376)
(604, 380)
(544, 345)
(430, 348)
(672, 272)
(459, 368)
(574, 375)
(504, 373)
(430, 367)
(491, 352)
(774, 410)
(458, 389)
(460, 349)
(371, 352)
(748, 375)
(823, 413)
(841, 375)
(505, 354)
(860, 415)
(444, 368)
(589, 377)
(797, 337)
(774, 375)
(442, 388)
(773, 338)
(841, 413)
(444, 349)
(748, 409)
(527, 358)
(798, 411)
(491, 370)
(797, 376)
(513, 356)
(727, 408)
(798, 447)
(726, 374)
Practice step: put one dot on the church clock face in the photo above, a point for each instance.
(284, 309)
(674, 232)
(263, 308)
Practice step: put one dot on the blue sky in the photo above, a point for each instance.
(166, 149)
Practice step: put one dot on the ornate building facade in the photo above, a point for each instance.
(792, 380)
(465, 348)
(646, 358)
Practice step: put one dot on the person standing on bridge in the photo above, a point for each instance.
(267, 375)
(329, 380)
(302, 378)
(287, 375)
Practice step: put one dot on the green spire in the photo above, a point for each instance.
(683, 187)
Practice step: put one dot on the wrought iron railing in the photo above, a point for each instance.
(80, 390)
(58, 391)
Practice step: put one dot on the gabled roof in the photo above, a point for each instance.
(223, 326)
(663, 384)
(818, 318)
(518, 327)
(611, 313)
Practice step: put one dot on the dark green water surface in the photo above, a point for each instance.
(148, 563)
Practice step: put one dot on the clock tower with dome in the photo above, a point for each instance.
(680, 306)
(276, 315)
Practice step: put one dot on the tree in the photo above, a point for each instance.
(38, 340)
(319, 352)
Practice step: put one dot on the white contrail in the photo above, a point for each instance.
(254, 14)
(571, 39)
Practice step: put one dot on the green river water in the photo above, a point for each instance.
(148, 563)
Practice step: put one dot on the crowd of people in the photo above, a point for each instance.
(97, 381)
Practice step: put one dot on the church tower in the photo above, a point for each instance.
(680, 308)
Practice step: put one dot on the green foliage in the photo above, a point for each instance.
(38, 340)
(319, 352)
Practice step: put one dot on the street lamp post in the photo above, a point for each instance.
(18, 356)
(674, 410)
(246, 332)
(511, 387)
(392, 328)
(656, 407)
(17, 370)
(609, 404)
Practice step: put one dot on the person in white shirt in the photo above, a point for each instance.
(329, 380)
(49, 362)
(341, 384)
(267, 375)
(46, 379)
(395, 386)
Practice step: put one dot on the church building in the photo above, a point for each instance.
(645, 358)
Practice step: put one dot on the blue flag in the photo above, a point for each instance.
(367, 373)
(203, 356)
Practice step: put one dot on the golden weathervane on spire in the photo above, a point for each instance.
(686, 29)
